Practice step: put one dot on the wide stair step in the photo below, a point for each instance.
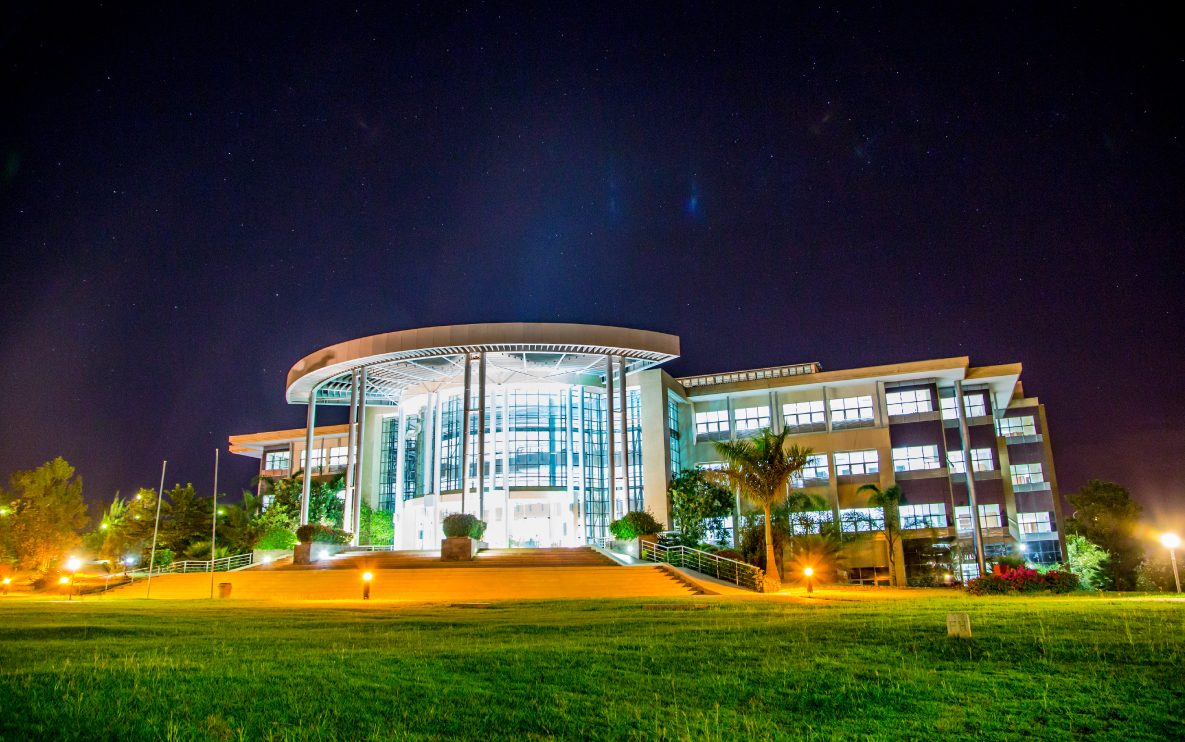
(423, 585)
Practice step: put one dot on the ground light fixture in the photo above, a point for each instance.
(1172, 542)
(366, 578)
(810, 579)
(4, 585)
(73, 564)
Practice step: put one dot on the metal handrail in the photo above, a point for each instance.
(722, 568)
(223, 564)
(369, 547)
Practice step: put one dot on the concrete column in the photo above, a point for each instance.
(307, 483)
(611, 466)
(481, 437)
(507, 515)
(625, 432)
(777, 423)
(351, 445)
(656, 463)
(400, 465)
(976, 530)
(466, 410)
(827, 408)
(356, 515)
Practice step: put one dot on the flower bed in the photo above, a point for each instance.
(1023, 580)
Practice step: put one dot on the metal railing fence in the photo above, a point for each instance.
(722, 568)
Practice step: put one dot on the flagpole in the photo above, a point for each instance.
(160, 494)
(214, 524)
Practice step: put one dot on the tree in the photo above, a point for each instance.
(889, 501)
(1107, 516)
(1087, 561)
(44, 516)
(377, 526)
(698, 505)
(185, 518)
(760, 469)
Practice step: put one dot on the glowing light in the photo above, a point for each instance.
(73, 564)
(323, 554)
(267, 560)
(221, 511)
(367, 577)
(1170, 540)
(1024, 548)
(808, 571)
(103, 526)
(3, 511)
(63, 580)
(129, 561)
(7, 581)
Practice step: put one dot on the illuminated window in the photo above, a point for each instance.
(910, 402)
(673, 428)
(337, 457)
(855, 520)
(915, 458)
(1034, 522)
(928, 515)
(712, 423)
(277, 461)
(752, 418)
(974, 403)
(856, 462)
(316, 459)
(816, 468)
(989, 517)
(712, 466)
(981, 460)
(803, 414)
(1027, 474)
(810, 521)
(849, 410)
(1012, 427)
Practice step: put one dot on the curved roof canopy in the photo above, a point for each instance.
(433, 357)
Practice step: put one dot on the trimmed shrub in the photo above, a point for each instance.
(459, 525)
(988, 585)
(276, 537)
(315, 533)
(634, 524)
(1061, 582)
(730, 554)
(1005, 563)
(1025, 580)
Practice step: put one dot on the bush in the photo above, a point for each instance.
(315, 533)
(634, 524)
(1006, 563)
(730, 554)
(276, 537)
(1061, 582)
(459, 525)
(988, 585)
(163, 558)
(1024, 580)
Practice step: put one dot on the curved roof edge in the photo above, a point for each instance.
(322, 365)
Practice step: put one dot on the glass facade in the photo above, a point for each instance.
(675, 436)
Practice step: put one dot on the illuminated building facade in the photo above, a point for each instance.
(574, 425)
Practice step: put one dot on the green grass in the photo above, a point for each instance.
(1037, 667)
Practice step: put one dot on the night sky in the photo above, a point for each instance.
(192, 199)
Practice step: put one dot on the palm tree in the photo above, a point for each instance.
(760, 469)
(889, 501)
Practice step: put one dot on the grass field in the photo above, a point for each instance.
(1037, 667)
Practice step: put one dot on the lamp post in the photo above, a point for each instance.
(366, 578)
(73, 564)
(4, 585)
(1171, 541)
(810, 581)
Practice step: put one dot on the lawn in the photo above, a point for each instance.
(1037, 667)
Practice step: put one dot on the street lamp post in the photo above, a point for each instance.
(73, 564)
(1171, 541)
(810, 581)
(366, 578)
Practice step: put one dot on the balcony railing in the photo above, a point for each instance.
(756, 374)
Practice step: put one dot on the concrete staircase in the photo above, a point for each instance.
(500, 558)
(420, 577)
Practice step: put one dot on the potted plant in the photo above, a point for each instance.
(633, 528)
(316, 536)
(462, 537)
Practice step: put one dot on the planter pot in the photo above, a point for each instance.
(302, 554)
(457, 549)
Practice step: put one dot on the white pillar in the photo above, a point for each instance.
(466, 411)
(351, 445)
(481, 437)
(356, 521)
(976, 530)
(611, 463)
(400, 468)
(306, 484)
(623, 392)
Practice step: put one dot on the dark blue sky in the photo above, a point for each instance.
(192, 199)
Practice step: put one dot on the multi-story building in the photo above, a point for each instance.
(535, 402)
